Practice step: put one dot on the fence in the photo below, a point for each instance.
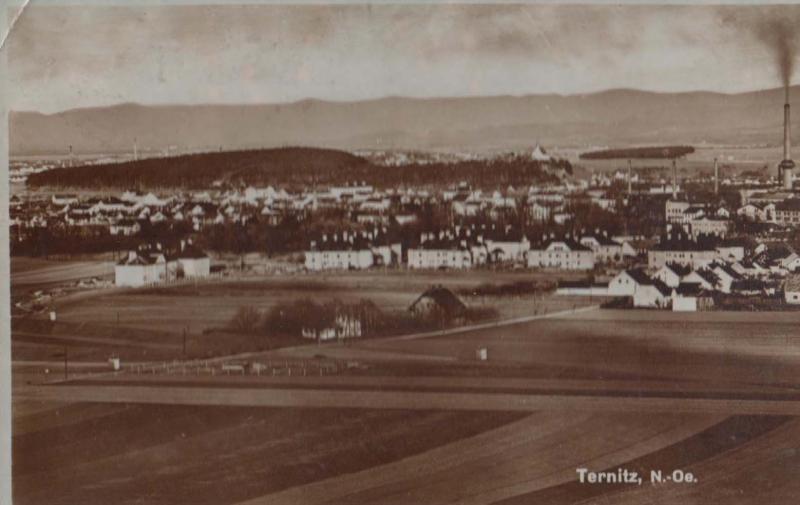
(286, 367)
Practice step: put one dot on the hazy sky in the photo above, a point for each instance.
(66, 57)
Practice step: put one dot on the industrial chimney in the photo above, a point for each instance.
(716, 177)
(674, 180)
(786, 167)
(629, 178)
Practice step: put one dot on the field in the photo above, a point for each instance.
(148, 454)
(100, 322)
(761, 348)
(715, 394)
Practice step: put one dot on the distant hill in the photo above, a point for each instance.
(618, 117)
(292, 167)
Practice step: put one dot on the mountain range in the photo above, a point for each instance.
(619, 117)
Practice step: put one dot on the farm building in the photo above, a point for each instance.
(438, 304)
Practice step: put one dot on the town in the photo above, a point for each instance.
(401, 253)
(670, 243)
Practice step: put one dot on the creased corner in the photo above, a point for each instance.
(13, 24)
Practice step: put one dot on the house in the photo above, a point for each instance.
(192, 262)
(354, 251)
(443, 251)
(141, 268)
(652, 294)
(732, 250)
(791, 289)
(791, 262)
(679, 248)
(675, 210)
(606, 249)
(338, 257)
(726, 275)
(153, 265)
(564, 254)
(704, 277)
(507, 246)
(690, 297)
(644, 290)
(626, 282)
(438, 304)
(672, 273)
(709, 225)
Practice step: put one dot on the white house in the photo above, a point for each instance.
(671, 274)
(565, 254)
(703, 277)
(428, 256)
(624, 283)
(726, 275)
(689, 297)
(193, 262)
(139, 269)
(339, 258)
(142, 267)
(606, 249)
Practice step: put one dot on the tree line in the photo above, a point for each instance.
(294, 168)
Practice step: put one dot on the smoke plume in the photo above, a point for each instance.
(775, 27)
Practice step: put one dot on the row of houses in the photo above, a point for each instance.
(466, 248)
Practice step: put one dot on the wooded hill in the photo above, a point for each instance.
(656, 152)
(292, 167)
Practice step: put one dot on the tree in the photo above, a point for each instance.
(246, 319)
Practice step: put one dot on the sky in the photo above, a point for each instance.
(64, 57)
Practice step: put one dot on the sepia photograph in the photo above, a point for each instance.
(399, 253)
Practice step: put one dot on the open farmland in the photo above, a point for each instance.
(762, 348)
(147, 454)
(425, 422)
(209, 305)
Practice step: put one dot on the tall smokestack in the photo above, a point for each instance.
(786, 167)
(716, 177)
(674, 180)
(787, 136)
(630, 178)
